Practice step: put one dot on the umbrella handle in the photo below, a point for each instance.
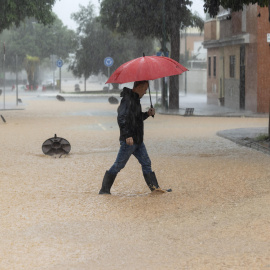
(150, 100)
(152, 107)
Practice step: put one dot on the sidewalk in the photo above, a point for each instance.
(201, 108)
(196, 101)
(248, 137)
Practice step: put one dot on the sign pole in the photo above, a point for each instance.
(108, 77)
(59, 63)
(108, 62)
(60, 79)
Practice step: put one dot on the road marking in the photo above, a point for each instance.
(100, 125)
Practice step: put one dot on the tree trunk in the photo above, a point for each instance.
(174, 80)
(115, 86)
(30, 79)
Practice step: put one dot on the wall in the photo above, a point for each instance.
(225, 29)
(210, 32)
(236, 23)
(251, 59)
(232, 91)
(196, 81)
(190, 40)
(213, 81)
(236, 26)
(251, 77)
(263, 66)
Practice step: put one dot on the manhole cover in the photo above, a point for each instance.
(56, 146)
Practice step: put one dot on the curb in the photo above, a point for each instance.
(246, 141)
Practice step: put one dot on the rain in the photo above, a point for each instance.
(208, 141)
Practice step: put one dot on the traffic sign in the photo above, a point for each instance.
(108, 61)
(160, 53)
(59, 63)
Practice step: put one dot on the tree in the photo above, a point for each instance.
(15, 11)
(145, 18)
(36, 40)
(96, 42)
(30, 64)
(212, 6)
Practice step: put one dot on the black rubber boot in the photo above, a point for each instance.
(151, 180)
(107, 183)
(152, 183)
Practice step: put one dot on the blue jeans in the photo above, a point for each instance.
(125, 151)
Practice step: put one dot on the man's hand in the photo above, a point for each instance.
(151, 112)
(129, 141)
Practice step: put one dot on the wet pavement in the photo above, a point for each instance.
(217, 216)
(198, 102)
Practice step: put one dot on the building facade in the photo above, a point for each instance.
(193, 56)
(238, 59)
(191, 40)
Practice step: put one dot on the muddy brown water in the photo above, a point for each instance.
(217, 216)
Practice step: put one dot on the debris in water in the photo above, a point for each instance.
(56, 146)
(4, 120)
(113, 100)
(60, 98)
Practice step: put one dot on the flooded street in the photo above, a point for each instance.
(217, 216)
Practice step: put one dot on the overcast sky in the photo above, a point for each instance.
(64, 8)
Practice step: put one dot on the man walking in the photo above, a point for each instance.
(130, 120)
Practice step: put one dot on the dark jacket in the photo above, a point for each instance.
(130, 116)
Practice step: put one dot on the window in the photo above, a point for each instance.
(209, 66)
(232, 66)
(215, 66)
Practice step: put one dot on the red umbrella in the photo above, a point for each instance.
(146, 68)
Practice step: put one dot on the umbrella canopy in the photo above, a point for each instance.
(146, 68)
